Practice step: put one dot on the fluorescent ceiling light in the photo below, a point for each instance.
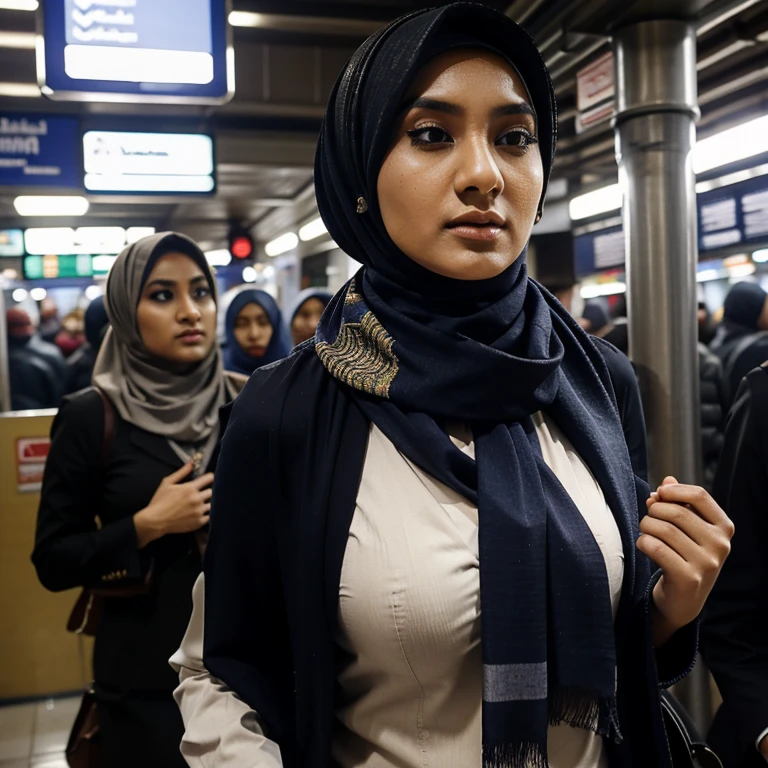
(38, 294)
(19, 5)
(738, 143)
(44, 241)
(221, 258)
(20, 90)
(245, 19)
(603, 289)
(249, 275)
(26, 40)
(706, 275)
(134, 234)
(50, 205)
(313, 229)
(19, 295)
(286, 242)
(761, 256)
(593, 203)
(103, 264)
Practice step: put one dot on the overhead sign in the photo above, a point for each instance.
(595, 92)
(39, 151)
(148, 162)
(41, 241)
(52, 267)
(11, 243)
(599, 250)
(171, 51)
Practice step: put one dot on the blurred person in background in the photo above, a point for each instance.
(596, 321)
(734, 632)
(255, 333)
(80, 364)
(306, 312)
(741, 341)
(50, 324)
(425, 543)
(707, 324)
(125, 495)
(35, 366)
(72, 334)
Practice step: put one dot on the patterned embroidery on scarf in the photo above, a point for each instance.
(361, 356)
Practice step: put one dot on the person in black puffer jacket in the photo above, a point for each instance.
(712, 421)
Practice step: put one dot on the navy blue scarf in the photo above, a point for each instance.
(419, 351)
(235, 357)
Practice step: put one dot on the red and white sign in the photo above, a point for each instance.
(595, 83)
(31, 454)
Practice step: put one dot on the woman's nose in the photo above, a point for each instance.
(478, 170)
(188, 309)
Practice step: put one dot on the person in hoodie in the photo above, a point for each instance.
(80, 365)
(254, 330)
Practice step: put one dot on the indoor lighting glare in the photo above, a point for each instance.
(19, 5)
(742, 270)
(249, 275)
(706, 275)
(38, 294)
(738, 143)
(313, 229)
(593, 203)
(50, 205)
(103, 263)
(134, 234)
(24, 40)
(221, 258)
(269, 272)
(20, 90)
(245, 19)
(19, 295)
(603, 289)
(761, 256)
(286, 242)
(92, 292)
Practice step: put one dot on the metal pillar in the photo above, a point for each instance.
(5, 379)
(655, 133)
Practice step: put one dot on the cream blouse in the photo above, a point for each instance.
(409, 629)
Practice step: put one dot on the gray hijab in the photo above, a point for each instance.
(184, 408)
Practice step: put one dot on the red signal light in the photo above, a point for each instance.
(242, 247)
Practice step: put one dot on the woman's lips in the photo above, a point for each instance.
(191, 338)
(476, 231)
(256, 351)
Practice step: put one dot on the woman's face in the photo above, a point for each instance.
(460, 187)
(306, 320)
(253, 330)
(176, 315)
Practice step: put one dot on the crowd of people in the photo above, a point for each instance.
(425, 536)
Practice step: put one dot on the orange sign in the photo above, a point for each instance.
(31, 454)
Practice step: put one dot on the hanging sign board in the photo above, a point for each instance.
(39, 151)
(11, 243)
(31, 455)
(595, 93)
(168, 51)
(147, 163)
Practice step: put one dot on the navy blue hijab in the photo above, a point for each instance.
(419, 351)
(235, 357)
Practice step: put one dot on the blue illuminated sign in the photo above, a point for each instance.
(171, 51)
(39, 151)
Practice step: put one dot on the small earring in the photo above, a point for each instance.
(538, 218)
(362, 206)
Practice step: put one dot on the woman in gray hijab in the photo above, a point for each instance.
(125, 498)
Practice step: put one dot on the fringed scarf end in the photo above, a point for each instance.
(515, 756)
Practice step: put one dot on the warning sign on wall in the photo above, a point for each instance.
(31, 453)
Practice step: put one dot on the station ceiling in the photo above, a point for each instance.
(287, 61)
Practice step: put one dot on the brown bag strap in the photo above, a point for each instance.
(109, 427)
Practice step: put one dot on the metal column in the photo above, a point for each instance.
(655, 133)
(5, 379)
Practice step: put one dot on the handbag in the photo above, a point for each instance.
(84, 746)
(686, 746)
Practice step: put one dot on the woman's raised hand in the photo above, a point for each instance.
(689, 537)
(176, 507)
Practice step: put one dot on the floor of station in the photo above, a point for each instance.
(35, 735)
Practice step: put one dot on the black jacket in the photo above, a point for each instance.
(36, 374)
(740, 350)
(137, 635)
(79, 370)
(734, 638)
(712, 416)
(280, 525)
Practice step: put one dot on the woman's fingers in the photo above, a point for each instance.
(670, 535)
(683, 518)
(660, 553)
(700, 501)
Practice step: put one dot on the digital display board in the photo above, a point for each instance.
(148, 163)
(39, 151)
(52, 267)
(170, 51)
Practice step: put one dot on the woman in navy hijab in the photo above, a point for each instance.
(254, 331)
(306, 312)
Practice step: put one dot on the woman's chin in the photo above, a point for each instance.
(469, 265)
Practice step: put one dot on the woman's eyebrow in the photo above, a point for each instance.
(438, 105)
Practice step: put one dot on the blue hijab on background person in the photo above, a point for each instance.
(305, 313)
(263, 337)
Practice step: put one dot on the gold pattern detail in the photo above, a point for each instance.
(362, 356)
(362, 204)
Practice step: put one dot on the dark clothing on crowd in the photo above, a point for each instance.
(619, 335)
(80, 365)
(741, 349)
(734, 640)
(35, 380)
(712, 414)
(598, 318)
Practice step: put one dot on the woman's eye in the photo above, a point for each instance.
(201, 293)
(518, 138)
(429, 134)
(161, 296)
